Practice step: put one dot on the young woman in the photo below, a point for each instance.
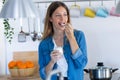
(58, 32)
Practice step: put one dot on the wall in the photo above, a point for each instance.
(103, 40)
(102, 36)
(2, 51)
(2, 48)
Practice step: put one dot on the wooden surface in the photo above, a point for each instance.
(27, 55)
(24, 56)
(20, 78)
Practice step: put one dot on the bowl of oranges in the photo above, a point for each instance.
(21, 68)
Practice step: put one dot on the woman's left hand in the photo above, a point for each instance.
(69, 31)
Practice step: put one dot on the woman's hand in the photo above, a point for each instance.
(55, 56)
(69, 31)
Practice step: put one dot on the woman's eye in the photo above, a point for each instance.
(65, 14)
(58, 15)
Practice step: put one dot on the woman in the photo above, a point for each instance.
(58, 32)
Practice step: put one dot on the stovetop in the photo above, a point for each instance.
(115, 76)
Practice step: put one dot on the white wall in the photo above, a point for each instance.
(102, 36)
(103, 40)
(2, 47)
(2, 51)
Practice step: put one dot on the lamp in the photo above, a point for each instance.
(118, 8)
(19, 9)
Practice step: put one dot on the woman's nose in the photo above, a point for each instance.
(62, 17)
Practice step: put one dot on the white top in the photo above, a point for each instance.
(62, 64)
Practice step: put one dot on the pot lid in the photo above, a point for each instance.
(100, 65)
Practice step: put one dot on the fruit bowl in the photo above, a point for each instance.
(22, 72)
(21, 68)
(14, 72)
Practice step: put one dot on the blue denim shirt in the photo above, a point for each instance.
(76, 62)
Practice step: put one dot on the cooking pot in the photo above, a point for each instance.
(100, 72)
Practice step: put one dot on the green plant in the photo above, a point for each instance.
(9, 31)
(3, 1)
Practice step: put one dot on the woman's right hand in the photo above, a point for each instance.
(55, 56)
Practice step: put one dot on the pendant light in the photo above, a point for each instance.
(19, 9)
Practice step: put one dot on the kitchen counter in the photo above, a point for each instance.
(8, 77)
(115, 76)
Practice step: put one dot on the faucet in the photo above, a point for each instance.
(55, 72)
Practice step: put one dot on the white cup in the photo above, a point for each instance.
(60, 49)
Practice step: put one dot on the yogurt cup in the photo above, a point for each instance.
(60, 49)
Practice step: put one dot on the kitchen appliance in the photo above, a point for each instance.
(100, 72)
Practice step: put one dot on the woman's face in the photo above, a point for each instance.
(59, 17)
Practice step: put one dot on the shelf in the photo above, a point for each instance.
(49, 1)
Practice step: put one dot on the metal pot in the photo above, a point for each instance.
(100, 72)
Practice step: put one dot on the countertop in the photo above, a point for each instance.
(8, 77)
(115, 76)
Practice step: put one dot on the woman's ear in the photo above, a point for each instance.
(50, 19)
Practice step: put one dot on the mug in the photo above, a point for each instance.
(75, 11)
(102, 12)
(112, 12)
(89, 13)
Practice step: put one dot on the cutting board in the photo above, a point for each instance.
(27, 55)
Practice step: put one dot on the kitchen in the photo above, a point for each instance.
(102, 36)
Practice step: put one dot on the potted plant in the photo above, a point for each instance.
(9, 31)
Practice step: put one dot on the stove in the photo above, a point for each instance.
(115, 76)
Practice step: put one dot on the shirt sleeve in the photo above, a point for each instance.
(41, 61)
(80, 56)
(77, 54)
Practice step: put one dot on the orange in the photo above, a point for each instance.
(29, 64)
(11, 64)
(22, 66)
(19, 62)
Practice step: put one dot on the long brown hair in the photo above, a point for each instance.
(48, 27)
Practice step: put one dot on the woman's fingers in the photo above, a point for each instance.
(68, 28)
(55, 55)
(69, 31)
